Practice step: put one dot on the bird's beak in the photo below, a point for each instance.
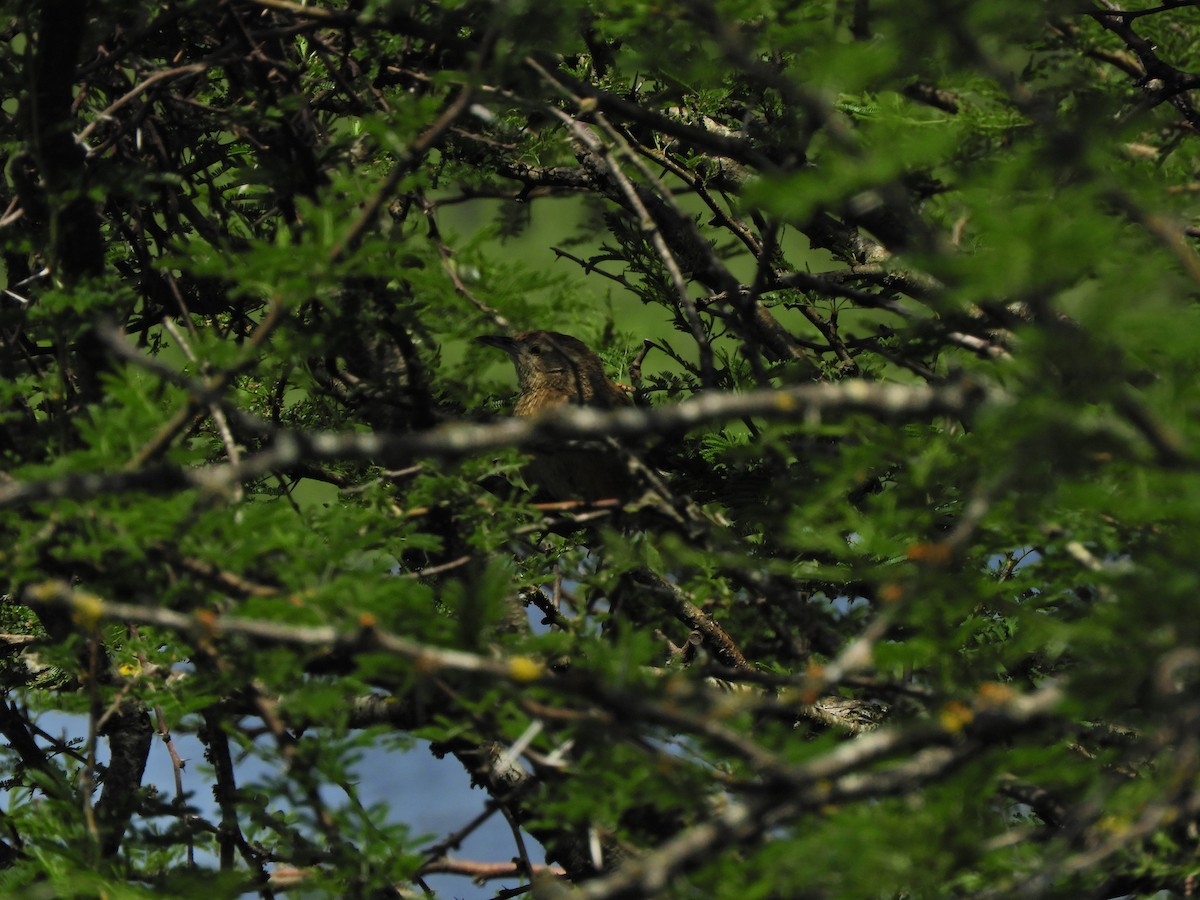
(499, 341)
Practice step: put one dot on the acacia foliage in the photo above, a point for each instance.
(920, 620)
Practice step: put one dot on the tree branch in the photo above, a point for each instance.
(807, 403)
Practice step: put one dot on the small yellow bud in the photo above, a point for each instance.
(522, 668)
(994, 694)
(955, 716)
(86, 609)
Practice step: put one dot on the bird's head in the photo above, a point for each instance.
(554, 362)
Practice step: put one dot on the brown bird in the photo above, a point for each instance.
(554, 369)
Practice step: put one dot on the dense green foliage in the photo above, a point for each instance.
(910, 606)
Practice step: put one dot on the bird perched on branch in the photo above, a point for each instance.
(556, 369)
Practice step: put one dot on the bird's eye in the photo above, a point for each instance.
(535, 349)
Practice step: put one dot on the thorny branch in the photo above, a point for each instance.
(806, 403)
